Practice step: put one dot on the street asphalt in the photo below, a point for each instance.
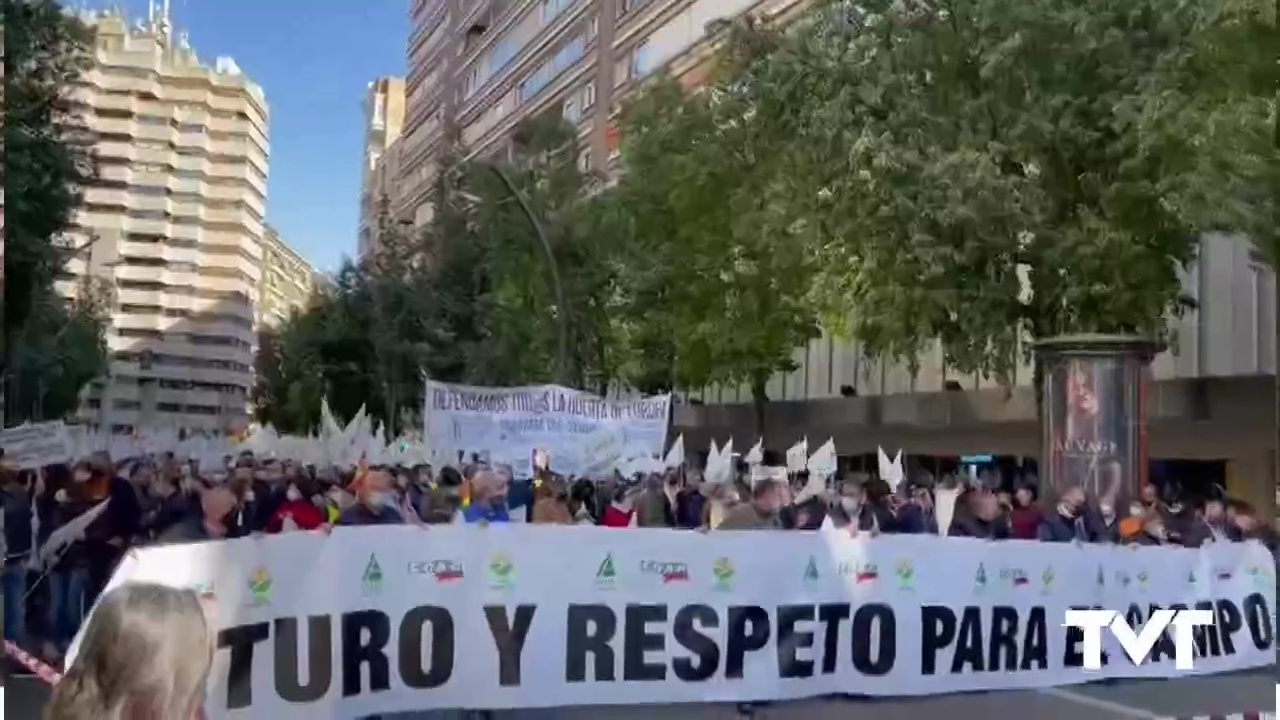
(1135, 700)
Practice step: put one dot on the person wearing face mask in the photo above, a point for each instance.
(916, 517)
(1209, 525)
(762, 513)
(377, 504)
(296, 511)
(981, 517)
(488, 499)
(1071, 520)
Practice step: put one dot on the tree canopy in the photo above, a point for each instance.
(973, 172)
(53, 345)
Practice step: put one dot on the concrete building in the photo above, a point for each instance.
(384, 117)
(482, 66)
(176, 219)
(288, 281)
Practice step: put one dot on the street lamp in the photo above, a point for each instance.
(562, 355)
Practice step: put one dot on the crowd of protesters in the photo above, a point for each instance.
(48, 587)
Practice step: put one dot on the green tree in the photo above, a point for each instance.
(46, 165)
(720, 278)
(987, 171)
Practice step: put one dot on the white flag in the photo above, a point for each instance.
(797, 456)
(675, 456)
(755, 456)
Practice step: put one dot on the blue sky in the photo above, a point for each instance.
(313, 59)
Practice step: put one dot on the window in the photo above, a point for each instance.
(472, 83)
(626, 6)
(584, 161)
(152, 120)
(147, 214)
(149, 190)
(571, 112)
(641, 60)
(593, 27)
(551, 9)
(192, 128)
(588, 95)
(127, 405)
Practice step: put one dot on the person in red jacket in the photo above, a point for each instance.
(620, 511)
(297, 512)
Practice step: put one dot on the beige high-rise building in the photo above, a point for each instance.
(176, 219)
(482, 66)
(288, 281)
(384, 117)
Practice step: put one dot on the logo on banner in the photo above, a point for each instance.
(811, 570)
(1261, 578)
(444, 571)
(723, 572)
(1016, 577)
(372, 578)
(1138, 644)
(1223, 574)
(906, 574)
(606, 573)
(670, 572)
(1123, 579)
(980, 578)
(861, 573)
(1046, 581)
(1191, 578)
(260, 586)
(502, 572)
(1143, 580)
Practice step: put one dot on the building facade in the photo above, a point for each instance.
(288, 281)
(174, 224)
(384, 118)
(483, 66)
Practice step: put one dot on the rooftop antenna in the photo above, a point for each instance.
(165, 24)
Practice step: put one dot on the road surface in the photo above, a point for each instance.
(1131, 700)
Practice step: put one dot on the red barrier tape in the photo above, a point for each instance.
(42, 670)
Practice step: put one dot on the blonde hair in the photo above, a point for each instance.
(144, 655)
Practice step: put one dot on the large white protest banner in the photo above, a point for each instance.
(371, 621)
(584, 433)
(35, 445)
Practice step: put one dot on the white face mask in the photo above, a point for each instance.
(293, 494)
(850, 505)
(382, 499)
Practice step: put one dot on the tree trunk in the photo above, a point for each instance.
(759, 397)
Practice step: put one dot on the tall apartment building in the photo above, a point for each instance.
(176, 219)
(384, 117)
(482, 66)
(288, 281)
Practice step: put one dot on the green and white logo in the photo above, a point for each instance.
(606, 573)
(811, 570)
(372, 578)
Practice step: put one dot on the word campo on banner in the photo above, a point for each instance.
(370, 621)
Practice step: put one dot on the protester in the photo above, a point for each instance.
(16, 491)
(216, 507)
(550, 506)
(916, 516)
(620, 511)
(145, 654)
(1072, 520)
(978, 516)
(488, 499)
(298, 511)
(1024, 514)
(762, 513)
(582, 502)
(1209, 524)
(655, 507)
(377, 504)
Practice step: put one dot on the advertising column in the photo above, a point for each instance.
(1094, 415)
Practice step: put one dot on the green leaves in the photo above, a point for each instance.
(52, 346)
(986, 171)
